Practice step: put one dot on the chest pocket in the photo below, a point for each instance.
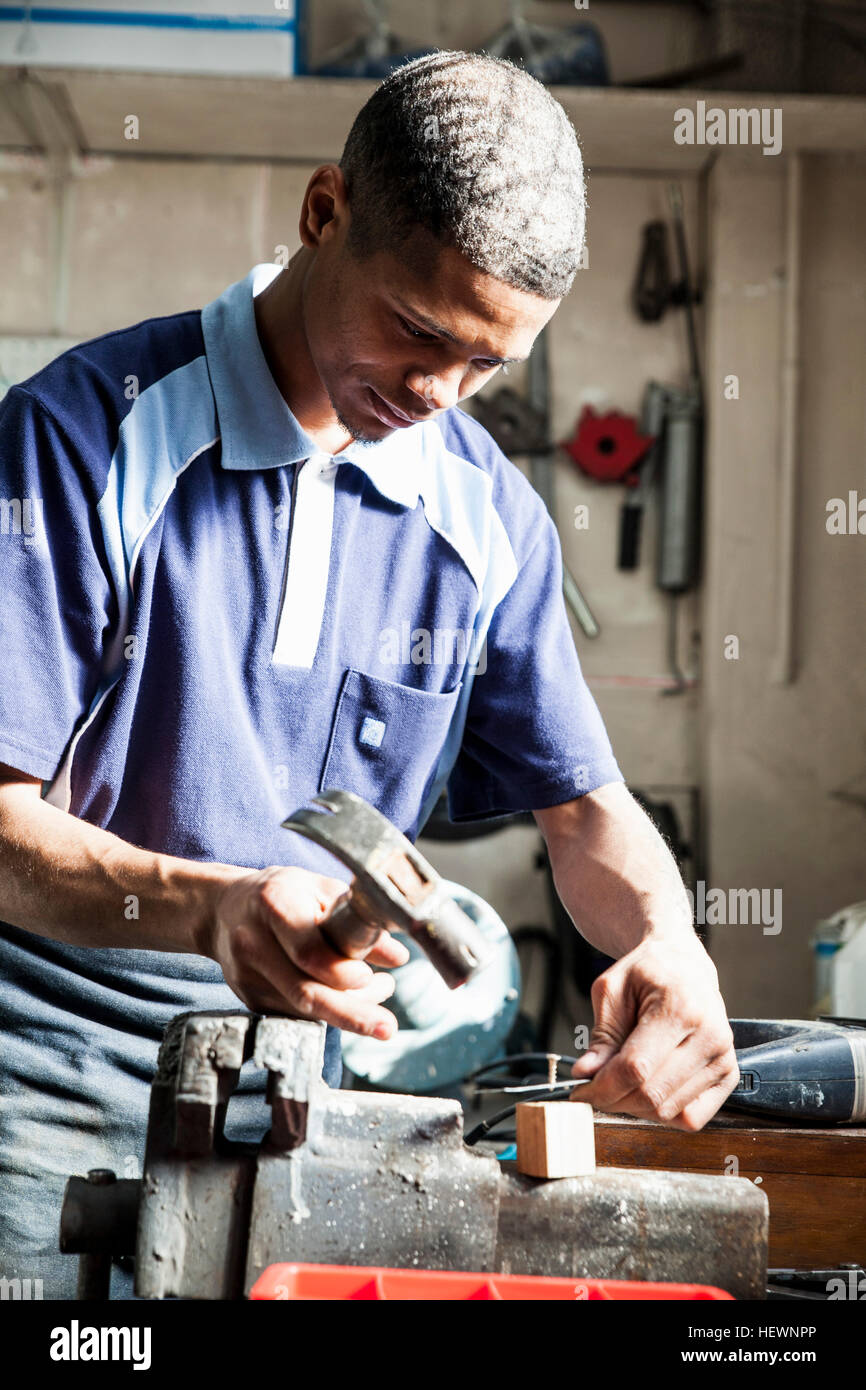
(386, 742)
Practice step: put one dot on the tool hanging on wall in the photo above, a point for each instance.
(607, 447)
(615, 448)
(652, 291)
(673, 416)
(652, 418)
(610, 449)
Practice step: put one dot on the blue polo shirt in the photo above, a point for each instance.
(205, 621)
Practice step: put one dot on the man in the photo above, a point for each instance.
(233, 513)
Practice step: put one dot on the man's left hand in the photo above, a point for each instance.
(661, 1047)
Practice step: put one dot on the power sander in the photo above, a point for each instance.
(801, 1071)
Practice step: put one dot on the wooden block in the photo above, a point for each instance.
(555, 1139)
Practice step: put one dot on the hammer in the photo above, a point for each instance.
(394, 886)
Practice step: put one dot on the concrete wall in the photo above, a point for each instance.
(785, 765)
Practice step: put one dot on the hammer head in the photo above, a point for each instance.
(394, 885)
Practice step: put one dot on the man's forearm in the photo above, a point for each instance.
(65, 879)
(661, 1044)
(62, 878)
(614, 873)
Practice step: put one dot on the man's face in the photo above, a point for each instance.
(394, 345)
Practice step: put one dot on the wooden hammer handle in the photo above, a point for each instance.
(347, 932)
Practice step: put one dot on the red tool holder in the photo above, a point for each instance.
(607, 447)
(307, 1282)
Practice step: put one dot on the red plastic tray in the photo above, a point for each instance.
(308, 1282)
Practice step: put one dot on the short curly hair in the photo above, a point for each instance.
(476, 151)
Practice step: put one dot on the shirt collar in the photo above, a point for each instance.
(257, 428)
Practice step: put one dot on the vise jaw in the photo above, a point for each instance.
(341, 1176)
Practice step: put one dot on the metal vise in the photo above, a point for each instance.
(351, 1177)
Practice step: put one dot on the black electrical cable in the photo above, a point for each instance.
(559, 1092)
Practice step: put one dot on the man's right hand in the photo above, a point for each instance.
(265, 935)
